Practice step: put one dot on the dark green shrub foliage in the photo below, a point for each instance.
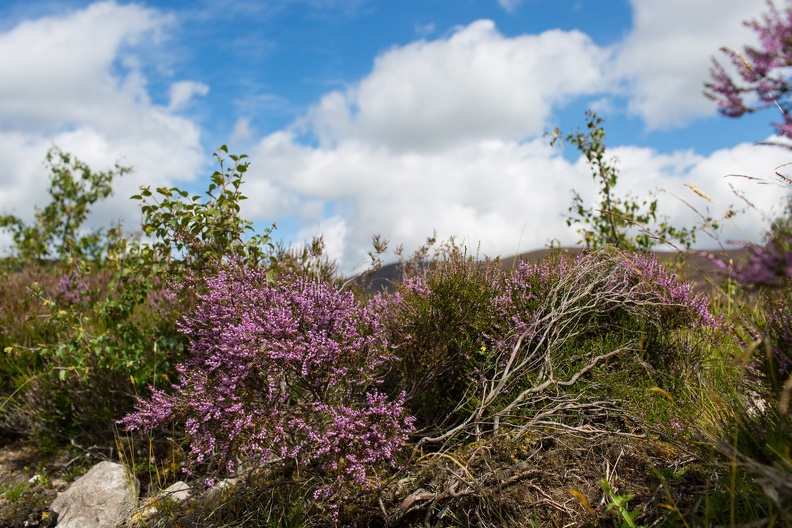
(107, 326)
(475, 342)
(441, 323)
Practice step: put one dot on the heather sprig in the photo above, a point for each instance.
(677, 298)
(762, 70)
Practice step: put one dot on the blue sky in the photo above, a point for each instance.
(372, 116)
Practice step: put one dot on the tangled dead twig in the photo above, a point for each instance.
(525, 374)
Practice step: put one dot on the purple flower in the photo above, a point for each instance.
(769, 265)
(282, 373)
(762, 69)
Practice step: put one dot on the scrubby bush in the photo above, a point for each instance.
(441, 323)
(108, 326)
(481, 347)
(284, 373)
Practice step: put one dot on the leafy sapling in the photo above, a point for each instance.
(191, 236)
(58, 228)
(627, 223)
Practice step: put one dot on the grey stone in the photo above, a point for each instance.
(178, 491)
(215, 493)
(102, 498)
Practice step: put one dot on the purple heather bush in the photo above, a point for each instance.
(777, 364)
(674, 301)
(82, 287)
(767, 266)
(631, 294)
(768, 271)
(647, 287)
(284, 373)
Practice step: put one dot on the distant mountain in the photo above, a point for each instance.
(698, 267)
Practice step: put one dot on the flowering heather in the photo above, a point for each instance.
(774, 364)
(283, 373)
(80, 288)
(465, 323)
(639, 278)
(769, 265)
(763, 70)
(670, 292)
(72, 289)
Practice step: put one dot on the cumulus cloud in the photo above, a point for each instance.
(497, 196)
(488, 191)
(643, 170)
(181, 92)
(443, 136)
(242, 130)
(665, 58)
(77, 83)
(474, 85)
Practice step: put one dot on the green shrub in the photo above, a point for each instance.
(480, 347)
(106, 315)
(628, 223)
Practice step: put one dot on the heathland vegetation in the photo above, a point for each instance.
(600, 389)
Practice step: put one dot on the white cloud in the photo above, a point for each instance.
(432, 140)
(242, 130)
(63, 67)
(474, 85)
(424, 30)
(181, 92)
(665, 59)
(77, 83)
(486, 191)
(643, 170)
(440, 135)
(509, 5)
(503, 196)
